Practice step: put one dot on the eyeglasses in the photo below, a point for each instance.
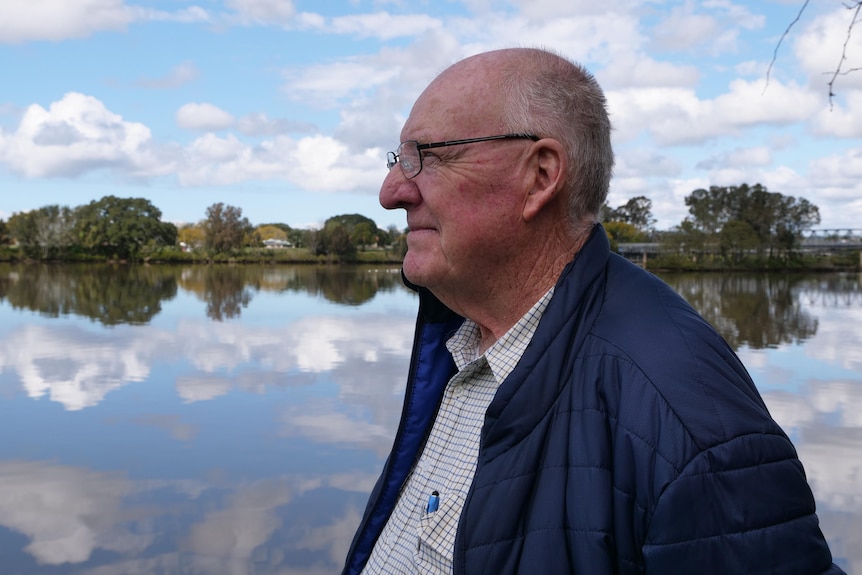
(408, 154)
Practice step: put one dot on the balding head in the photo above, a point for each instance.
(528, 90)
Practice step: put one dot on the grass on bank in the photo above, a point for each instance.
(174, 255)
(838, 261)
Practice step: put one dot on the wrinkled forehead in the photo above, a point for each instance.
(462, 102)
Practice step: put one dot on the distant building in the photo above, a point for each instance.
(273, 244)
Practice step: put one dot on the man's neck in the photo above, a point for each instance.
(498, 304)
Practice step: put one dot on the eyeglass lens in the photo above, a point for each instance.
(408, 157)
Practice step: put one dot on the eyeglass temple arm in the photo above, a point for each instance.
(473, 140)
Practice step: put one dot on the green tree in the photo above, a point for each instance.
(271, 232)
(123, 227)
(361, 230)
(192, 235)
(22, 228)
(299, 238)
(225, 228)
(637, 212)
(777, 221)
(620, 233)
(736, 239)
(334, 240)
(5, 236)
(45, 232)
(364, 234)
(55, 229)
(686, 238)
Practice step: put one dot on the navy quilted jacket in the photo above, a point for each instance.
(629, 439)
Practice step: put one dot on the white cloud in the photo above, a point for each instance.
(78, 134)
(74, 135)
(840, 332)
(325, 85)
(540, 9)
(843, 119)
(830, 454)
(322, 422)
(230, 535)
(842, 172)
(213, 150)
(639, 70)
(60, 19)
(179, 76)
(76, 374)
(69, 513)
(683, 29)
(819, 48)
(203, 116)
(262, 125)
(315, 163)
(78, 370)
(643, 162)
(57, 20)
(677, 116)
(66, 512)
(738, 158)
(714, 25)
(383, 25)
(738, 13)
(265, 12)
(202, 387)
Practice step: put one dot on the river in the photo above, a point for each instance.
(232, 419)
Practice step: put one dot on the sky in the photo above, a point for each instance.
(286, 108)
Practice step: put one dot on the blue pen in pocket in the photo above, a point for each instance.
(433, 502)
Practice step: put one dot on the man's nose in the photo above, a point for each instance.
(397, 191)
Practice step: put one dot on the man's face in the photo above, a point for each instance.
(465, 203)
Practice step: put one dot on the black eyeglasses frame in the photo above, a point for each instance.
(392, 158)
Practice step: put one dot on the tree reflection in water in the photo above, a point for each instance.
(109, 294)
(755, 310)
(139, 472)
(132, 294)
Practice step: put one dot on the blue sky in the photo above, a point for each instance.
(287, 108)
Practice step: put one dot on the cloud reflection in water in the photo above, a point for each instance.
(250, 446)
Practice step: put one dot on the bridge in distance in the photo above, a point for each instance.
(815, 241)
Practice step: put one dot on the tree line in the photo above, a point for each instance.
(132, 229)
(728, 225)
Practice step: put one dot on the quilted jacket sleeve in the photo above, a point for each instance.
(742, 506)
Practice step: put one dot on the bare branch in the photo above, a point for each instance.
(838, 71)
(780, 40)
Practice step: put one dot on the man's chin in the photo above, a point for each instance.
(415, 270)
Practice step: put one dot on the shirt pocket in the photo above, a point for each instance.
(437, 532)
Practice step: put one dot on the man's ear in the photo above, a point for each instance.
(548, 169)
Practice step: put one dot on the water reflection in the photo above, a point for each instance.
(123, 294)
(111, 295)
(78, 368)
(762, 310)
(239, 428)
(116, 525)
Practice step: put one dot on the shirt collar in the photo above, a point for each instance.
(506, 352)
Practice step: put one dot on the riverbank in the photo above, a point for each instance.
(838, 262)
(248, 256)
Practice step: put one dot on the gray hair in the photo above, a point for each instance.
(552, 97)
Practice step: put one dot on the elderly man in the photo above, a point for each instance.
(565, 411)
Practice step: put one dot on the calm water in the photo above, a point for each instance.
(231, 420)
